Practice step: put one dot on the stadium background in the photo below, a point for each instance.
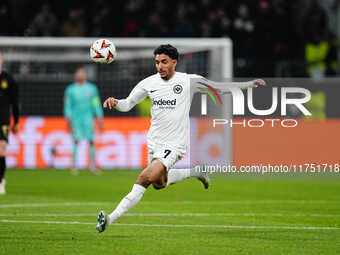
(47, 211)
(270, 39)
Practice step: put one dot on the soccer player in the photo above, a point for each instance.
(8, 101)
(81, 105)
(171, 94)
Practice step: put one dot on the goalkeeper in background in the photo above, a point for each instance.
(81, 105)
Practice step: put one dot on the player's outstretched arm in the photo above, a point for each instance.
(226, 87)
(125, 105)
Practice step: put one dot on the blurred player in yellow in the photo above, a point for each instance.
(81, 106)
(8, 101)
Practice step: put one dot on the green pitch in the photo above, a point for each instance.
(53, 212)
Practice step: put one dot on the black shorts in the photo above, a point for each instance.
(4, 132)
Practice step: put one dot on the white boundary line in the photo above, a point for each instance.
(118, 41)
(175, 215)
(175, 202)
(50, 204)
(248, 202)
(178, 225)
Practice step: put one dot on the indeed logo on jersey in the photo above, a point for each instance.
(162, 102)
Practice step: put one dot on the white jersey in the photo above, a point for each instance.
(171, 101)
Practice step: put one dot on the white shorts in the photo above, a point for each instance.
(166, 155)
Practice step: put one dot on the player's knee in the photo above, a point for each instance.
(157, 185)
(144, 180)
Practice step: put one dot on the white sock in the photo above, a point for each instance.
(177, 175)
(129, 201)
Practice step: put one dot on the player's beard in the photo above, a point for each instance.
(165, 75)
(168, 74)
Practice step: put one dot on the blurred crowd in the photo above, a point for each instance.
(267, 29)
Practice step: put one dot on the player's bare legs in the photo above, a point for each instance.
(74, 169)
(2, 166)
(156, 175)
(93, 167)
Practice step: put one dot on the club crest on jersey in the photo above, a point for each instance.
(178, 89)
(89, 94)
(4, 84)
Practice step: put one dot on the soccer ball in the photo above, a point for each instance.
(103, 51)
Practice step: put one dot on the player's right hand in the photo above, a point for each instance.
(110, 102)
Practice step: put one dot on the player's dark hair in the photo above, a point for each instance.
(168, 50)
(78, 67)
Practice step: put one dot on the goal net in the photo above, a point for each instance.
(43, 67)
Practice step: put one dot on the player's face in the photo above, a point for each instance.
(165, 66)
(80, 76)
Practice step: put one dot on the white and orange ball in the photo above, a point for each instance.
(103, 51)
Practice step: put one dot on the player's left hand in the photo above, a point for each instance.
(15, 128)
(258, 82)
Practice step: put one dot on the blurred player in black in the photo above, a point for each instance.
(8, 100)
